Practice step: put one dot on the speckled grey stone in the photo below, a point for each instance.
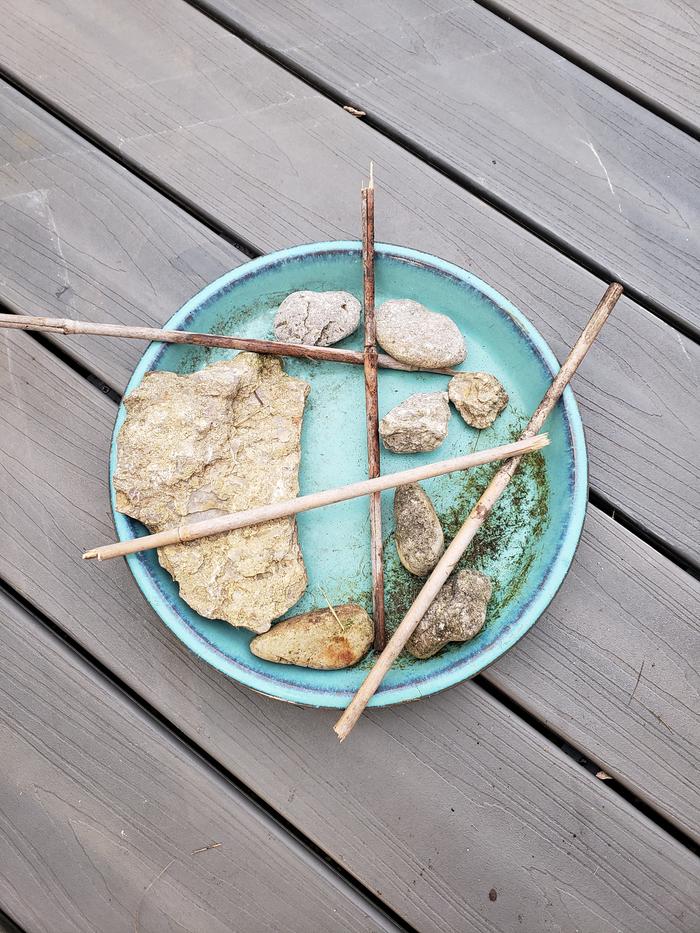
(411, 333)
(478, 397)
(457, 613)
(418, 424)
(419, 538)
(317, 318)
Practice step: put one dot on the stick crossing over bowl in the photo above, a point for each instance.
(65, 325)
(476, 517)
(314, 500)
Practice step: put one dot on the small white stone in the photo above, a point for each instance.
(317, 318)
(418, 424)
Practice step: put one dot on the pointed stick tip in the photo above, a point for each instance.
(90, 555)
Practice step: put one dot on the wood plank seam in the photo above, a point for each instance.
(236, 786)
(519, 218)
(59, 350)
(131, 165)
(580, 61)
(687, 564)
(606, 274)
(588, 764)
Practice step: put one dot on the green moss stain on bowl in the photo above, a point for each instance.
(526, 545)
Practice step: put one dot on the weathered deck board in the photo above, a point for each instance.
(130, 256)
(584, 163)
(80, 237)
(240, 136)
(101, 811)
(651, 46)
(484, 801)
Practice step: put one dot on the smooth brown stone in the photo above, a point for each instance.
(325, 639)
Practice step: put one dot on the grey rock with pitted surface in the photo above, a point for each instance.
(317, 318)
(220, 440)
(457, 613)
(418, 424)
(419, 539)
(478, 397)
(411, 333)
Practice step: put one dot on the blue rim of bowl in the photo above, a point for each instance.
(277, 687)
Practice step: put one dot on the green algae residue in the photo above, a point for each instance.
(505, 547)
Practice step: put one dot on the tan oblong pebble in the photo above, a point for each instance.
(325, 639)
(411, 333)
(457, 613)
(478, 397)
(420, 541)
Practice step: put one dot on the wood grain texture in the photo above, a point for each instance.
(581, 161)
(475, 799)
(638, 390)
(102, 810)
(208, 113)
(650, 46)
(81, 237)
(474, 520)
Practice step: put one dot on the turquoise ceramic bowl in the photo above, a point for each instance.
(527, 544)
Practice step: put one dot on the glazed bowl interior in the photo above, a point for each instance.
(526, 545)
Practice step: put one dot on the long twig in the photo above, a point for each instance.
(314, 500)
(372, 413)
(475, 519)
(62, 325)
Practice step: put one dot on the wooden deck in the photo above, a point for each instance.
(550, 146)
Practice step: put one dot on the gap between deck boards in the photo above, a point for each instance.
(442, 167)
(581, 760)
(499, 695)
(237, 786)
(585, 64)
(148, 178)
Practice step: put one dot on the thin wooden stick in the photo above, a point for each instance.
(475, 519)
(63, 325)
(314, 500)
(372, 413)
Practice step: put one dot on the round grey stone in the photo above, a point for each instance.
(317, 318)
(412, 334)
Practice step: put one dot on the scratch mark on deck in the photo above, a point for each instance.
(589, 144)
